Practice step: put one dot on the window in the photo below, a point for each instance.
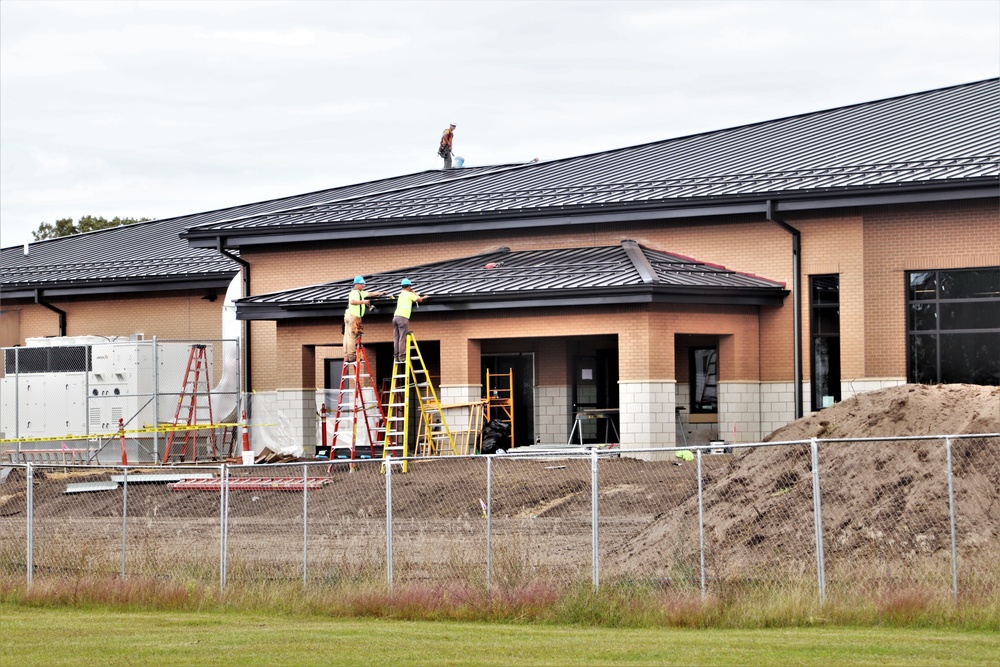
(704, 380)
(953, 326)
(824, 326)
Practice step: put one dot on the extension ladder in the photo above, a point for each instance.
(197, 382)
(359, 414)
(410, 378)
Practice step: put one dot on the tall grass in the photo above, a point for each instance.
(622, 604)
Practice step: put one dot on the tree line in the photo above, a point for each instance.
(87, 223)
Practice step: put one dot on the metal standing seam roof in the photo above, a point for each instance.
(940, 137)
(153, 251)
(623, 273)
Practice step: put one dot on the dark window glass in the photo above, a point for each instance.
(923, 316)
(923, 358)
(824, 307)
(704, 380)
(972, 358)
(971, 315)
(923, 286)
(826, 321)
(826, 290)
(962, 321)
(826, 371)
(980, 284)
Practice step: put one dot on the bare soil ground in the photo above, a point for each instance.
(883, 502)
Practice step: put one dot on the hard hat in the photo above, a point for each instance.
(359, 280)
(405, 282)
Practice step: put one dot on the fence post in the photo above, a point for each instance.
(223, 524)
(818, 521)
(387, 462)
(951, 519)
(595, 516)
(124, 517)
(30, 555)
(701, 526)
(489, 521)
(305, 524)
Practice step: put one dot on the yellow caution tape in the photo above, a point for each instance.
(113, 434)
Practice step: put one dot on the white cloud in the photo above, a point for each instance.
(165, 108)
(276, 37)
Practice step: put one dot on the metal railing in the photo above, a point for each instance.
(828, 518)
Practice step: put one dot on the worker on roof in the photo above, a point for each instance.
(358, 303)
(401, 318)
(445, 149)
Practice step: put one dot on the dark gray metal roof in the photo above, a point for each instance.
(152, 253)
(625, 273)
(944, 138)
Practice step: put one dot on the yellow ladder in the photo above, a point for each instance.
(432, 432)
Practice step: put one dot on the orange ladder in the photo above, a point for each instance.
(353, 407)
(196, 376)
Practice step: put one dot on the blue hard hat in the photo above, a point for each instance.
(359, 280)
(405, 282)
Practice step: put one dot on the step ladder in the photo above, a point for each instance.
(412, 383)
(190, 410)
(359, 417)
(500, 398)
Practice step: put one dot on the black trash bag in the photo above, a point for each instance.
(496, 435)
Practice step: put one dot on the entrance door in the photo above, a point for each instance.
(595, 389)
(523, 367)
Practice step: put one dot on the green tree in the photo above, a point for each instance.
(88, 223)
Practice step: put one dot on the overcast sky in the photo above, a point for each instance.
(162, 109)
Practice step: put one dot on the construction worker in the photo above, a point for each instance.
(358, 304)
(401, 318)
(445, 149)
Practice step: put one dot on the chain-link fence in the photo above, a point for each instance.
(72, 403)
(827, 518)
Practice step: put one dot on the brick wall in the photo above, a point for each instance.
(913, 238)
(167, 315)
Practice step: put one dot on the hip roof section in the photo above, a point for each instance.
(625, 273)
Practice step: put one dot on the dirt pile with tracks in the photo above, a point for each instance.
(885, 500)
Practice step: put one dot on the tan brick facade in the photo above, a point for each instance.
(168, 315)
(868, 249)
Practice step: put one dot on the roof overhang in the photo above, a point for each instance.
(132, 286)
(645, 294)
(883, 195)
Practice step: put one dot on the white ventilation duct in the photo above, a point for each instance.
(228, 388)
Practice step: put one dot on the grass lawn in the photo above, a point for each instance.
(71, 636)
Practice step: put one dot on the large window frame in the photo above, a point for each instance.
(953, 326)
(824, 340)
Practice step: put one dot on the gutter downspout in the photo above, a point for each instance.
(796, 299)
(61, 313)
(247, 353)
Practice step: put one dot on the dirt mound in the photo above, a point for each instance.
(886, 499)
(905, 410)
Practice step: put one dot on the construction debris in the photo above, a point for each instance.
(251, 484)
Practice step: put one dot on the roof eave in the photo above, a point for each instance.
(661, 294)
(881, 195)
(117, 286)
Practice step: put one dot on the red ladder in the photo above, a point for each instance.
(353, 407)
(196, 376)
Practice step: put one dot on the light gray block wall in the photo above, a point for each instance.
(552, 415)
(647, 416)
